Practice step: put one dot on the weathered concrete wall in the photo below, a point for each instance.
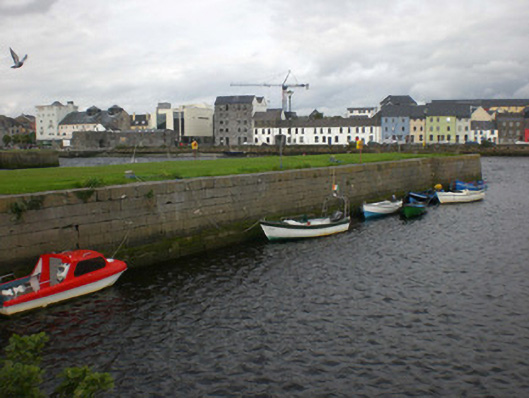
(156, 221)
(28, 159)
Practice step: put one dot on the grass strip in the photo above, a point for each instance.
(58, 178)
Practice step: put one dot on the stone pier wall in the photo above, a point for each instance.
(146, 223)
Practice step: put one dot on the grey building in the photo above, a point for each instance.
(511, 127)
(233, 118)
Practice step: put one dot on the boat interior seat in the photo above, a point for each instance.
(337, 215)
(19, 289)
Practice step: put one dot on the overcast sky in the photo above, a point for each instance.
(136, 53)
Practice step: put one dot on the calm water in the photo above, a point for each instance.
(433, 307)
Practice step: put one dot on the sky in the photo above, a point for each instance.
(352, 53)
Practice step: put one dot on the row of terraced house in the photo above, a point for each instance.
(244, 120)
(247, 120)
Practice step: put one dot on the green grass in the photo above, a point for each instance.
(51, 179)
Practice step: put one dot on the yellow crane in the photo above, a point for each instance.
(286, 93)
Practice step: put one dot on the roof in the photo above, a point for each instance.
(93, 115)
(398, 100)
(461, 110)
(236, 99)
(270, 114)
(402, 111)
(305, 121)
(488, 103)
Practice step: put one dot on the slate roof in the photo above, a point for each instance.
(270, 114)
(461, 110)
(397, 111)
(397, 100)
(307, 122)
(236, 99)
(487, 103)
(93, 115)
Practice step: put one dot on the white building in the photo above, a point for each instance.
(192, 122)
(48, 118)
(483, 131)
(361, 112)
(307, 131)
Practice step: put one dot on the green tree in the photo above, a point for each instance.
(6, 139)
(83, 382)
(21, 375)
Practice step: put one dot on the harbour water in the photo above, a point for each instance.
(432, 307)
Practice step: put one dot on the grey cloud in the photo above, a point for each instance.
(16, 8)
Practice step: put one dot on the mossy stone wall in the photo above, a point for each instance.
(146, 223)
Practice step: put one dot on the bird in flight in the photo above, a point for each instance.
(16, 60)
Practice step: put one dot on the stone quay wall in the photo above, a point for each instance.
(150, 222)
(28, 159)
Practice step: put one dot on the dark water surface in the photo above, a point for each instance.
(433, 307)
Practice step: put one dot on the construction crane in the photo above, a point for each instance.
(286, 93)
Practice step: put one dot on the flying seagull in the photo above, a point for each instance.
(16, 60)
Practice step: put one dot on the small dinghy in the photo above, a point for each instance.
(379, 209)
(412, 210)
(58, 277)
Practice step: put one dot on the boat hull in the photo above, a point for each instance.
(277, 230)
(411, 210)
(380, 209)
(464, 196)
(61, 296)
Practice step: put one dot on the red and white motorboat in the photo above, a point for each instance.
(59, 277)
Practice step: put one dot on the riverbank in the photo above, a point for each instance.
(146, 223)
(37, 180)
(250, 150)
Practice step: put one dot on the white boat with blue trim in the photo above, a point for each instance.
(383, 208)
